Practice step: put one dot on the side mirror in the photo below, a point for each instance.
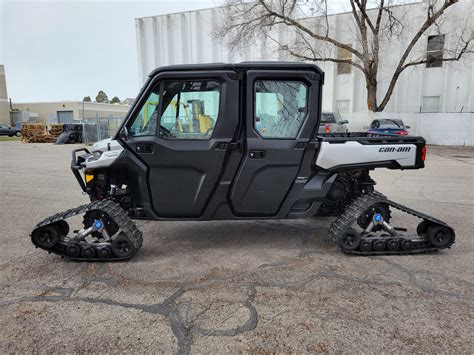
(345, 122)
(407, 127)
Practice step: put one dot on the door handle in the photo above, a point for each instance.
(228, 146)
(257, 154)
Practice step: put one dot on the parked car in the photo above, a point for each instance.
(9, 131)
(388, 125)
(332, 122)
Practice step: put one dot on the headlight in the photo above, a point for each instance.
(97, 154)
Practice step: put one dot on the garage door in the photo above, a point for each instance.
(65, 117)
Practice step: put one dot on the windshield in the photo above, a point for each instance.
(189, 110)
(145, 122)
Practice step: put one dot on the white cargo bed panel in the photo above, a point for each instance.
(332, 155)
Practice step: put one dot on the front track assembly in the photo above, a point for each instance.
(370, 213)
(108, 233)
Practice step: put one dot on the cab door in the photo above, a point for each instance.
(282, 110)
(181, 130)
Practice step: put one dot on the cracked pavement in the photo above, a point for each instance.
(240, 286)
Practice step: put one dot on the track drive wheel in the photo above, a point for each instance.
(440, 236)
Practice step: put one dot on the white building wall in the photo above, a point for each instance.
(4, 105)
(185, 38)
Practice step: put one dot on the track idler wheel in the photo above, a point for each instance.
(365, 246)
(422, 227)
(122, 247)
(104, 252)
(73, 250)
(350, 240)
(46, 237)
(407, 244)
(440, 236)
(379, 245)
(88, 252)
(393, 244)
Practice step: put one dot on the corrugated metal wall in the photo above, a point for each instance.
(185, 38)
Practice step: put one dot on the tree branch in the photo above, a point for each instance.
(431, 18)
(289, 21)
(333, 60)
(363, 10)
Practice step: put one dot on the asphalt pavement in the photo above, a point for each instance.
(244, 286)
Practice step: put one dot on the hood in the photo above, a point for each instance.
(106, 144)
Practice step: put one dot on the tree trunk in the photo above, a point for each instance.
(372, 95)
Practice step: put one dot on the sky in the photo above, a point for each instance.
(68, 49)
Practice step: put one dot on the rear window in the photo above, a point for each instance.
(328, 118)
(387, 124)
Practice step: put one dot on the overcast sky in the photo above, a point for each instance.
(65, 50)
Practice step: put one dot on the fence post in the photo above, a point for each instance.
(98, 126)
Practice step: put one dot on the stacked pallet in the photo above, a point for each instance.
(35, 133)
(55, 130)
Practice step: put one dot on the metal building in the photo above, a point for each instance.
(437, 102)
(68, 111)
(4, 106)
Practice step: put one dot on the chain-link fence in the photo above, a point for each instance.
(98, 128)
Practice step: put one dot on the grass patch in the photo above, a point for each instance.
(7, 139)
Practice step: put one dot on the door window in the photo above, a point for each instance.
(191, 109)
(280, 108)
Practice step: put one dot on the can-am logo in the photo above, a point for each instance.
(394, 149)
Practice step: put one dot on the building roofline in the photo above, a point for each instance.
(183, 12)
(67, 102)
(415, 2)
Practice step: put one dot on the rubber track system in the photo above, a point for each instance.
(376, 244)
(127, 233)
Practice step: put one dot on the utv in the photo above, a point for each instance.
(237, 141)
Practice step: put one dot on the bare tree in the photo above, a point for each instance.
(305, 30)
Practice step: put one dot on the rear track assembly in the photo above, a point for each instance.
(112, 235)
(379, 237)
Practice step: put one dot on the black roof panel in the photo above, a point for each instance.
(242, 66)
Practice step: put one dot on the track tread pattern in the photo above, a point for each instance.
(362, 204)
(113, 210)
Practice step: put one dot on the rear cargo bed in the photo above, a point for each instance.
(363, 150)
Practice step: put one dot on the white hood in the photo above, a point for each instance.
(110, 149)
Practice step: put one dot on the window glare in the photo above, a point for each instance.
(280, 108)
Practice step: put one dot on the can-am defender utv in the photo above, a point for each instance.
(237, 141)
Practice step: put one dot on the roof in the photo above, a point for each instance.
(240, 67)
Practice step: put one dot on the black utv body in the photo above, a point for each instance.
(238, 141)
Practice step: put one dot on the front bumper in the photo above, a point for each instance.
(76, 165)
